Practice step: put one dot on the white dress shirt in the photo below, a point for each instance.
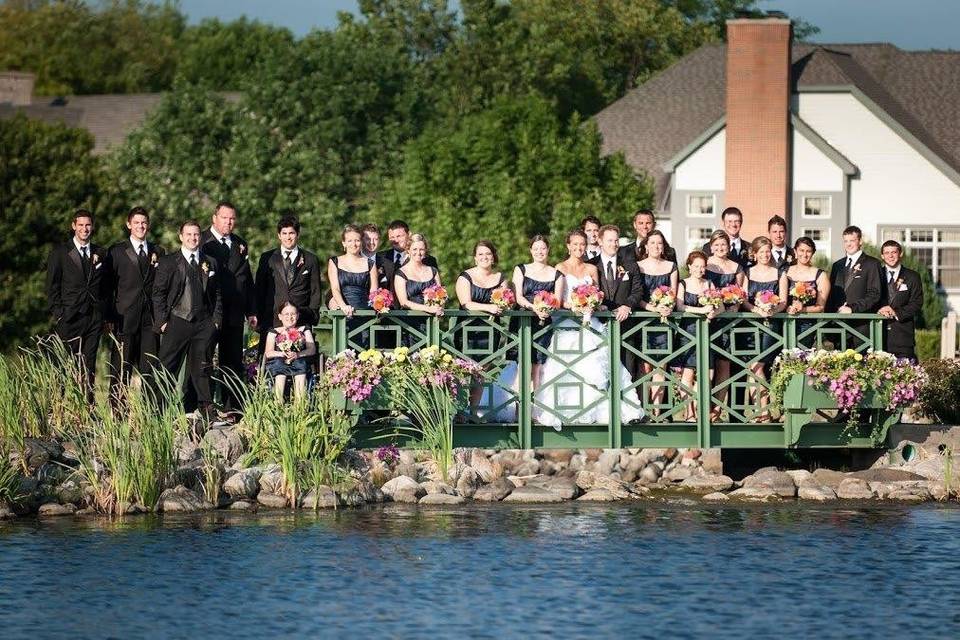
(220, 238)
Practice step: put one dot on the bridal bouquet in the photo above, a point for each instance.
(435, 296)
(663, 297)
(711, 298)
(766, 301)
(545, 302)
(804, 292)
(733, 295)
(503, 298)
(584, 300)
(381, 300)
(291, 341)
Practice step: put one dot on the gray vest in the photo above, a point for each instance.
(190, 304)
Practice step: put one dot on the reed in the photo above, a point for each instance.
(213, 472)
(9, 479)
(429, 410)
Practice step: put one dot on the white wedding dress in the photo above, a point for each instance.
(580, 350)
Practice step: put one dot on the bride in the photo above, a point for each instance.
(578, 349)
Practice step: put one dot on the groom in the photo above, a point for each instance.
(622, 288)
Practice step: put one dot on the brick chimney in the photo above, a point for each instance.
(758, 118)
(16, 88)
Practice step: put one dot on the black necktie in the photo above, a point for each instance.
(83, 254)
(396, 259)
(849, 263)
(141, 253)
(890, 279)
(610, 270)
(288, 265)
(193, 261)
(779, 256)
(223, 241)
(85, 261)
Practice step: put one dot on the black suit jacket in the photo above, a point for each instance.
(304, 291)
(72, 292)
(633, 252)
(784, 263)
(130, 288)
(743, 257)
(905, 296)
(236, 278)
(860, 288)
(171, 279)
(626, 288)
(386, 270)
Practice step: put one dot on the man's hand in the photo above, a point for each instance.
(887, 312)
(621, 313)
(252, 321)
(844, 309)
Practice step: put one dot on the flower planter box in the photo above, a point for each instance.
(800, 394)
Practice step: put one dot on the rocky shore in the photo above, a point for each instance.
(52, 487)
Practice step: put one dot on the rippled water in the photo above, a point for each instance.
(643, 570)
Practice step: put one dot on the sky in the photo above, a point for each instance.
(909, 24)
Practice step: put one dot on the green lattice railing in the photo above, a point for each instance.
(509, 413)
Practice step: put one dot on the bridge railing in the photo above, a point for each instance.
(598, 381)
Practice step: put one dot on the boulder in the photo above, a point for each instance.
(651, 473)
(56, 509)
(828, 478)
(350, 496)
(678, 473)
(442, 499)
(183, 500)
(271, 480)
(756, 493)
(495, 491)
(884, 474)
(607, 462)
(323, 497)
(482, 465)
(810, 490)
(576, 463)
(370, 491)
(6, 512)
(692, 454)
(707, 483)
(409, 470)
(634, 466)
(468, 482)
(799, 475)
(528, 468)
(243, 505)
(271, 500)
(432, 486)
(716, 496)
(70, 493)
(556, 455)
(243, 484)
(37, 453)
(403, 489)
(187, 449)
(532, 494)
(598, 495)
(854, 489)
(226, 441)
(769, 477)
(566, 488)
(407, 456)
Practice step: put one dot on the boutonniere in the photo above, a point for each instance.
(856, 267)
(898, 282)
(94, 258)
(788, 258)
(205, 267)
(153, 259)
(243, 249)
(300, 262)
(620, 271)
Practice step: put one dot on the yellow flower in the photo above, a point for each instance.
(858, 357)
(401, 357)
(447, 357)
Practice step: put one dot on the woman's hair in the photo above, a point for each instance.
(282, 305)
(719, 233)
(695, 255)
(539, 238)
(351, 228)
(758, 243)
(805, 241)
(419, 237)
(575, 234)
(488, 245)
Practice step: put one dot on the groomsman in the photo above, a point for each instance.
(732, 221)
(591, 227)
(371, 241)
(644, 222)
(783, 255)
(855, 278)
(236, 283)
(131, 265)
(188, 311)
(904, 302)
(390, 260)
(75, 293)
(622, 287)
(288, 273)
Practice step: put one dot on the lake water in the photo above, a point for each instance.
(661, 570)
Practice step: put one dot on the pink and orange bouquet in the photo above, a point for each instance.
(711, 298)
(663, 297)
(766, 301)
(381, 300)
(435, 296)
(804, 292)
(291, 340)
(503, 298)
(545, 302)
(733, 295)
(584, 300)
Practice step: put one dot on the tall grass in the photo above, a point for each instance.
(9, 479)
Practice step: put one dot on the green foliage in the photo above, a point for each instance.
(9, 479)
(928, 344)
(46, 172)
(505, 174)
(938, 399)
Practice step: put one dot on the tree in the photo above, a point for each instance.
(505, 174)
(46, 172)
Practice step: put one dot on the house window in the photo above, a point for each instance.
(696, 237)
(816, 206)
(821, 237)
(703, 205)
(937, 248)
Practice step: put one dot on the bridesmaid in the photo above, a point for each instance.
(352, 279)
(411, 281)
(764, 276)
(721, 271)
(657, 271)
(530, 279)
(475, 288)
(688, 301)
(804, 271)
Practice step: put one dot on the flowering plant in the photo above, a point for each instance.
(545, 302)
(584, 300)
(663, 297)
(848, 375)
(290, 341)
(435, 296)
(733, 295)
(388, 454)
(381, 300)
(503, 298)
(711, 298)
(804, 292)
(355, 375)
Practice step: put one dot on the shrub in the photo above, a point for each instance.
(928, 344)
(938, 399)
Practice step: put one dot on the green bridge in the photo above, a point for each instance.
(505, 415)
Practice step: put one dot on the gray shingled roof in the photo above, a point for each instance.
(918, 89)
